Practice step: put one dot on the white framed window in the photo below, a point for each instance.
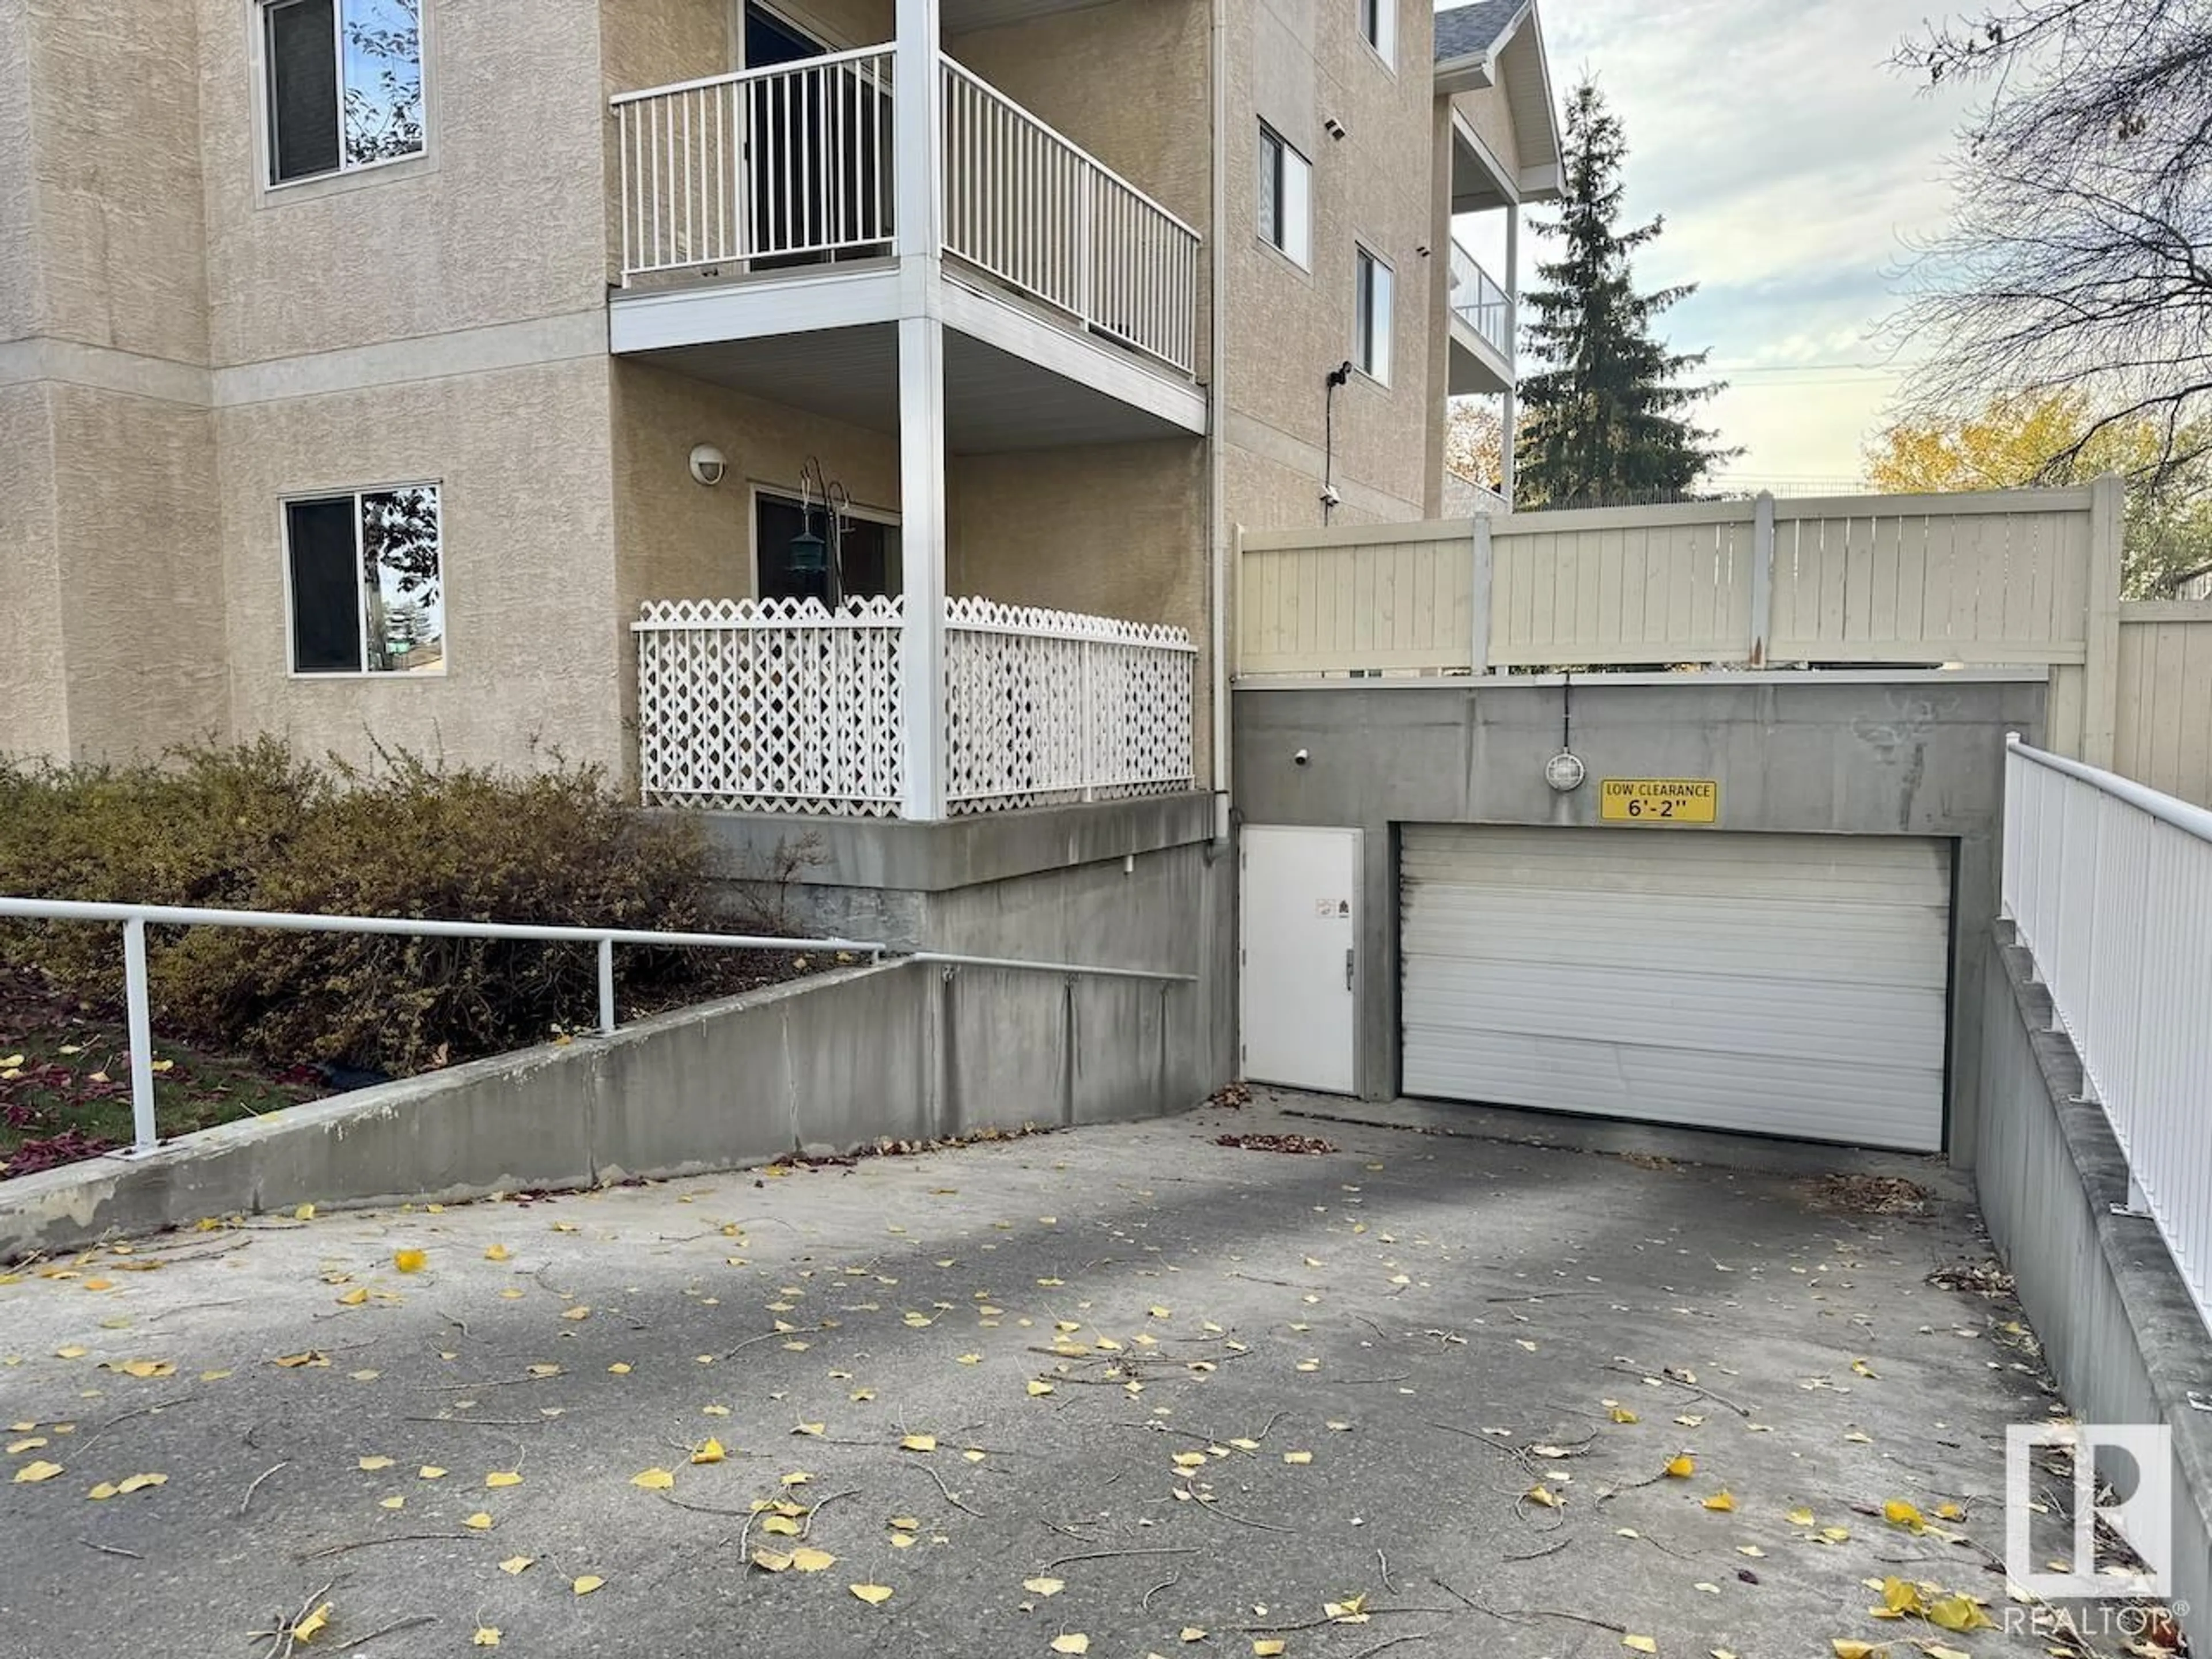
(342, 85)
(365, 581)
(1285, 198)
(1371, 320)
(1378, 26)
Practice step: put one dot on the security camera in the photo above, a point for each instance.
(1301, 758)
(708, 465)
(1330, 497)
(1334, 128)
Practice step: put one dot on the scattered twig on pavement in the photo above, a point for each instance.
(951, 1497)
(1145, 1603)
(1362, 1382)
(484, 1422)
(815, 1509)
(1328, 1619)
(470, 1381)
(110, 1549)
(329, 1550)
(1511, 1613)
(1382, 1565)
(1417, 1635)
(142, 1411)
(1549, 1549)
(255, 1486)
(282, 1638)
(770, 1336)
(1110, 1555)
(388, 1630)
(1673, 1382)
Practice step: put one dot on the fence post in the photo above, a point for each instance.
(1478, 600)
(145, 1135)
(2102, 664)
(1762, 576)
(606, 988)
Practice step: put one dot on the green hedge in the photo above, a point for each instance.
(259, 828)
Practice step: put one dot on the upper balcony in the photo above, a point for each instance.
(1481, 329)
(762, 207)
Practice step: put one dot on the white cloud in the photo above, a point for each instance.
(1793, 168)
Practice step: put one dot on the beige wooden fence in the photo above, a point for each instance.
(2028, 577)
(2164, 700)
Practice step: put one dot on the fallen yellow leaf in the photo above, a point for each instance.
(1722, 1501)
(487, 1636)
(1073, 1642)
(1266, 1648)
(1038, 1386)
(104, 1490)
(1543, 1494)
(515, 1564)
(580, 1311)
(904, 1523)
(807, 1559)
(653, 1479)
(1193, 1633)
(354, 1298)
(1297, 1457)
(1898, 1513)
(1640, 1644)
(588, 1583)
(308, 1628)
(1622, 1414)
(391, 1502)
(1799, 1517)
(503, 1478)
(41, 1470)
(373, 1463)
(411, 1262)
(430, 1472)
(711, 1452)
(768, 1560)
(497, 1253)
(919, 1443)
(1846, 1648)
(1958, 1613)
(479, 1522)
(1682, 1467)
(874, 1595)
(143, 1368)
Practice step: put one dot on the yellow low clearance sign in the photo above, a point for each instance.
(1659, 801)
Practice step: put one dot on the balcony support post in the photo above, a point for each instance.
(1510, 411)
(918, 125)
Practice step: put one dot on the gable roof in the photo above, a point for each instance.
(1475, 29)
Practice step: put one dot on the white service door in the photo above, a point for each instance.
(1786, 985)
(1300, 900)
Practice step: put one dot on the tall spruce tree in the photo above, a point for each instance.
(1605, 421)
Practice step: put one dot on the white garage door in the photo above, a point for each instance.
(1789, 984)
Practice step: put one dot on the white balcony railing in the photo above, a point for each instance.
(2110, 884)
(1479, 302)
(1036, 211)
(793, 164)
(781, 706)
(788, 162)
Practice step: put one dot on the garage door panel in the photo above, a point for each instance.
(1600, 930)
(1793, 985)
(1827, 1021)
(1804, 1100)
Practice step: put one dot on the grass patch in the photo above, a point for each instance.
(65, 1091)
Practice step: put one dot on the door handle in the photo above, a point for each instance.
(1347, 968)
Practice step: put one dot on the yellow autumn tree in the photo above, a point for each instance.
(2045, 437)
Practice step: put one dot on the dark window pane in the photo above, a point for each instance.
(777, 522)
(401, 582)
(303, 89)
(383, 79)
(326, 586)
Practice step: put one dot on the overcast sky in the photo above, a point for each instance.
(1793, 166)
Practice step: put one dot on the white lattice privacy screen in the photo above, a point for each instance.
(781, 706)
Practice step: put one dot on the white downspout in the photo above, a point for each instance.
(1217, 415)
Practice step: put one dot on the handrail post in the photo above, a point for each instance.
(606, 987)
(1478, 599)
(145, 1137)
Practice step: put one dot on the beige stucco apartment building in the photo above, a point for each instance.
(368, 366)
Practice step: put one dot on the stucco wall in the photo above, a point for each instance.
(20, 280)
(33, 705)
(120, 233)
(1297, 64)
(503, 220)
(142, 586)
(1819, 755)
(522, 458)
(1487, 112)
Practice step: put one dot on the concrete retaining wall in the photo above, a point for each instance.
(905, 1050)
(2116, 1321)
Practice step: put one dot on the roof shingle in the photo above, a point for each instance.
(1470, 30)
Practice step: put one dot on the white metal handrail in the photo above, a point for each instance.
(1479, 301)
(134, 918)
(2110, 885)
(790, 161)
(1034, 208)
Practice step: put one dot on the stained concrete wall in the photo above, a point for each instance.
(1905, 753)
(898, 1051)
(2115, 1318)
